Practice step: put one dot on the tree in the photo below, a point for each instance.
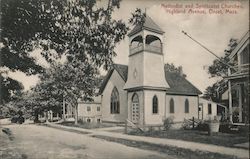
(8, 88)
(214, 92)
(218, 68)
(76, 81)
(22, 24)
(76, 29)
(172, 68)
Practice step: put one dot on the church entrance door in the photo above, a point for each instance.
(135, 109)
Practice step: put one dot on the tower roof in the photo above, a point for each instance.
(149, 24)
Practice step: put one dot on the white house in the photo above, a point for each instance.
(207, 109)
(145, 91)
(90, 111)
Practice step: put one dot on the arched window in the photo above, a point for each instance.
(153, 44)
(171, 103)
(136, 44)
(155, 105)
(186, 106)
(135, 112)
(114, 102)
(135, 98)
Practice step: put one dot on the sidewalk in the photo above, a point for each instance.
(241, 153)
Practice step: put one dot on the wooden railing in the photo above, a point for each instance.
(135, 49)
(151, 48)
(240, 69)
(129, 123)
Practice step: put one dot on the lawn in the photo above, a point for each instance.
(221, 139)
(85, 125)
(175, 152)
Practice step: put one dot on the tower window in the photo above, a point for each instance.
(114, 102)
(155, 105)
(98, 109)
(171, 103)
(209, 106)
(88, 120)
(186, 106)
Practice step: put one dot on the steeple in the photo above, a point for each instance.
(146, 62)
(149, 25)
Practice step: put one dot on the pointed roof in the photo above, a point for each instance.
(149, 24)
(178, 84)
(122, 71)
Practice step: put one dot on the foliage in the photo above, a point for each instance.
(21, 24)
(167, 123)
(9, 87)
(218, 68)
(214, 92)
(77, 29)
(138, 17)
(172, 68)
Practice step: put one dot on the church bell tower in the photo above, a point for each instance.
(146, 62)
(146, 76)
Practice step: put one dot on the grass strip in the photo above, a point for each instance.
(65, 129)
(169, 150)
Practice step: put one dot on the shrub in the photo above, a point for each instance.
(225, 128)
(81, 121)
(168, 123)
(202, 126)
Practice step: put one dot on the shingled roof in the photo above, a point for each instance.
(149, 24)
(178, 84)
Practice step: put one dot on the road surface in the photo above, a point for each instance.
(39, 142)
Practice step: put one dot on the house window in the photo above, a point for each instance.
(155, 105)
(114, 102)
(171, 103)
(98, 109)
(199, 108)
(98, 120)
(209, 106)
(88, 120)
(88, 108)
(186, 106)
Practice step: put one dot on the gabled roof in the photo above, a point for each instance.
(121, 69)
(177, 83)
(244, 41)
(149, 24)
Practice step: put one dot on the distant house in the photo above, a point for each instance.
(238, 82)
(209, 109)
(90, 111)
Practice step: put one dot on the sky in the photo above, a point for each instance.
(213, 29)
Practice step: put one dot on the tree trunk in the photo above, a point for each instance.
(76, 114)
(63, 116)
(46, 117)
(36, 117)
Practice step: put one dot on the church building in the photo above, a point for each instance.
(145, 91)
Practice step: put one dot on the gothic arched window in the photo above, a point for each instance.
(155, 105)
(114, 102)
(171, 103)
(186, 106)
